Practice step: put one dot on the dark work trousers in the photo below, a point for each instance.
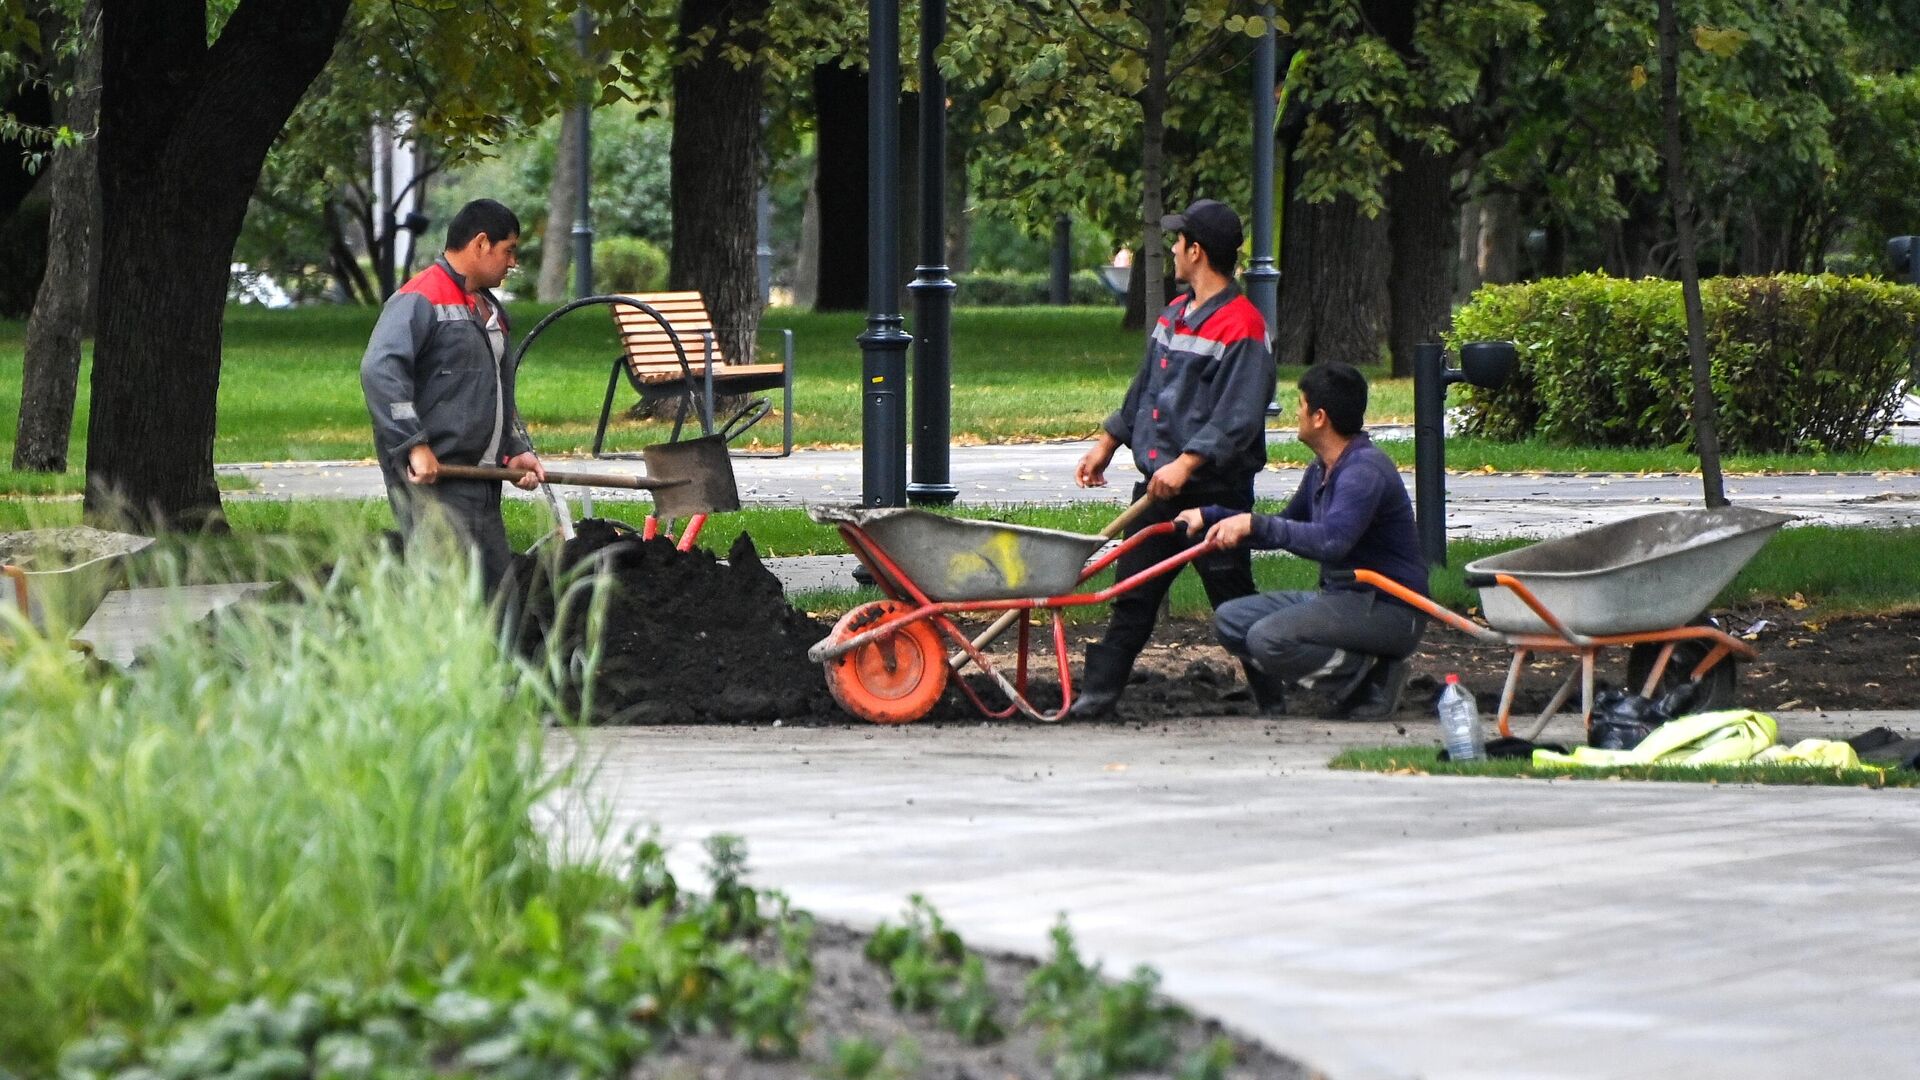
(472, 507)
(1227, 575)
(1304, 636)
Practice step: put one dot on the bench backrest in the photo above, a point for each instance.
(649, 349)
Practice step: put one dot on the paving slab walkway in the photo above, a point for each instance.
(1478, 505)
(1374, 926)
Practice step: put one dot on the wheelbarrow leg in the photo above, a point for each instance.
(1586, 688)
(1659, 668)
(1507, 692)
(1559, 698)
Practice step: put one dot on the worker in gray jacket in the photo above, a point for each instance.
(438, 379)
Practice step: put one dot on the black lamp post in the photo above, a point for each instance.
(1483, 363)
(1262, 276)
(932, 289)
(883, 347)
(583, 213)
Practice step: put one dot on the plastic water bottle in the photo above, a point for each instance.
(1460, 722)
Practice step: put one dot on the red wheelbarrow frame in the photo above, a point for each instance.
(900, 587)
(1563, 640)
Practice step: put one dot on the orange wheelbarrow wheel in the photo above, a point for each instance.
(896, 678)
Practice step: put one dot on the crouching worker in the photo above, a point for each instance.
(438, 380)
(1350, 513)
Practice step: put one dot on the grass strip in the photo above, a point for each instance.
(289, 391)
(1425, 761)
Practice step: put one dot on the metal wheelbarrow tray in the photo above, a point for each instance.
(56, 578)
(888, 661)
(1644, 583)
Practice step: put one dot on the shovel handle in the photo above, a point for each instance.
(612, 480)
(1114, 528)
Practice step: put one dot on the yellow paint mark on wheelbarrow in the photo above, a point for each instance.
(998, 555)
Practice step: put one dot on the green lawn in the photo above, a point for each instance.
(289, 390)
(1425, 761)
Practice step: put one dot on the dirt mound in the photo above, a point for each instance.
(688, 638)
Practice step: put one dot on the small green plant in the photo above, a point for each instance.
(1093, 1029)
(651, 880)
(1210, 1062)
(733, 909)
(970, 1008)
(861, 1058)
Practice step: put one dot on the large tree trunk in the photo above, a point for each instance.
(1500, 228)
(184, 129)
(1333, 284)
(840, 181)
(716, 169)
(1152, 257)
(52, 368)
(1421, 232)
(563, 205)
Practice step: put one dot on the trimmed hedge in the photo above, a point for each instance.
(1800, 363)
(1017, 288)
(628, 264)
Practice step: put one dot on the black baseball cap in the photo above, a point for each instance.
(1211, 224)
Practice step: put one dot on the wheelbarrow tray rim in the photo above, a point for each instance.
(1738, 521)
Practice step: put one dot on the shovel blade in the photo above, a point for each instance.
(704, 465)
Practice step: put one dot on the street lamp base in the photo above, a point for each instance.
(932, 494)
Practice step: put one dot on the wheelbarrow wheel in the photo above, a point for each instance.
(1717, 687)
(896, 678)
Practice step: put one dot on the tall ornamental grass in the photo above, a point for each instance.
(333, 786)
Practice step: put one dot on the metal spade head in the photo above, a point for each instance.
(706, 469)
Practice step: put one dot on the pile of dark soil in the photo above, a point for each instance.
(687, 638)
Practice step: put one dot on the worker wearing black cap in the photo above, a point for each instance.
(1195, 417)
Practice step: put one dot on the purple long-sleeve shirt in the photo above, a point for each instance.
(1355, 516)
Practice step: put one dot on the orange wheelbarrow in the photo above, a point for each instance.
(887, 662)
(1643, 583)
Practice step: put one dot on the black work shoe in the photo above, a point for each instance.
(1101, 684)
(1376, 694)
(1269, 698)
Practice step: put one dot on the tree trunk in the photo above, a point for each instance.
(716, 170)
(563, 205)
(1421, 233)
(1333, 284)
(840, 147)
(1680, 195)
(1499, 254)
(806, 261)
(184, 129)
(52, 368)
(1153, 136)
(1467, 264)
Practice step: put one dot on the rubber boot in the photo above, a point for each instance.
(1268, 696)
(1102, 683)
(1377, 694)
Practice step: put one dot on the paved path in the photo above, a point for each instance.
(1374, 926)
(1479, 505)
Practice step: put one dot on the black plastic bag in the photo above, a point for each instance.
(1621, 720)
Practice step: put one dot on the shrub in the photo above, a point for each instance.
(1014, 288)
(628, 264)
(1800, 363)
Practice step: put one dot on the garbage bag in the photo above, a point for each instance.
(1621, 720)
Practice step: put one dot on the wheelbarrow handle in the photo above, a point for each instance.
(612, 480)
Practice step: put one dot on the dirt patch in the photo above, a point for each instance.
(692, 639)
(850, 1000)
(687, 638)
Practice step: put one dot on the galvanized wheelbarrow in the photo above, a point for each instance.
(887, 662)
(56, 578)
(1644, 583)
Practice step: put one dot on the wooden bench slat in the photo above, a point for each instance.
(720, 373)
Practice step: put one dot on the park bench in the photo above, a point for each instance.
(669, 350)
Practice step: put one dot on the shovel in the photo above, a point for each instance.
(686, 478)
(1114, 528)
